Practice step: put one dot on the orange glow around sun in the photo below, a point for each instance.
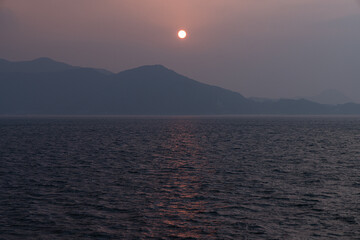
(182, 34)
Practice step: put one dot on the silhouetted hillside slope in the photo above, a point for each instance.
(37, 65)
(331, 96)
(70, 92)
(144, 90)
(158, 90)
(44, 86)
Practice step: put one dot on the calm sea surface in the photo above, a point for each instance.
(180, 178)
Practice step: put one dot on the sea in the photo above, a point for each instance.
(181, 177)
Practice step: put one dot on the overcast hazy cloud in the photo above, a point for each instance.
(267, 48)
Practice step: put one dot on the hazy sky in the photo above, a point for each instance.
(263, 48)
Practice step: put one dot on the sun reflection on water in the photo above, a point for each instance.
(180, 201)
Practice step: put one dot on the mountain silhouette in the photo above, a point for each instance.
(158, 90)
(37, 65)
(331, 96)
(44, 86)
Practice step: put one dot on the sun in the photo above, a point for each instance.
(182, 34)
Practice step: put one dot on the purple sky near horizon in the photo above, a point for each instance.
(263, 48)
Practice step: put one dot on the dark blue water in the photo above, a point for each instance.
(180, 178)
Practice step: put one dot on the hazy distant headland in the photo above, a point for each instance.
(47, 87)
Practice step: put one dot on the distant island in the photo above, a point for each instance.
(46, 87)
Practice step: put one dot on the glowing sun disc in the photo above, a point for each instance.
(182, 34)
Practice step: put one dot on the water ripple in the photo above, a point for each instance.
(180, 178)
